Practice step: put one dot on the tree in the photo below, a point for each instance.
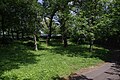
(50, 7)
(19, 15)
(64, 15)
(88, 20)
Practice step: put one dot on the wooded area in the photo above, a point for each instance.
(47, 39)
(83, 21)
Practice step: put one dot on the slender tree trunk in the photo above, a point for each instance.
(65, 40)
(48, 41)
(78, 41)
(91, 44)
(22, 34)
(50, 27)
(0, 33)
(35, 42)
(64, 33)
(3, 35)
(17, 35)
(12, 34)
(8, 32)
(50, 31)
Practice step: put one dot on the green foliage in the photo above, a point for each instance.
(19, 15)
(91, 20)
(83, 21)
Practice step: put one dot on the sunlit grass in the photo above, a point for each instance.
(20, 63)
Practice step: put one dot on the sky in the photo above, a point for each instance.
(40, 1)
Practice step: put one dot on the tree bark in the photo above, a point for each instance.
(91, 43)
(22, 34)
(3, 35)
(65, 40)
(50, 26)
(12, 34)
(78, 41)
(48, 41)
(35, 42)
(3, 32)
(8, 32)
(50, 30)
(64, 33)
(17, 35)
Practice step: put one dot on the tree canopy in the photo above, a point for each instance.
(82, 21)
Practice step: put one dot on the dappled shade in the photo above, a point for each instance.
(82, 51)
(14, 56)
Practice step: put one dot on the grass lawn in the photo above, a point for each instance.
(18, 62)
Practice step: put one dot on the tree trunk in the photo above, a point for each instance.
(50, 31)
(17, 35)
(50, 26)
(35, 42)
(48, 41)
(22, 34)
(64, 33)
(8, 32)
(78, 41)
(65, 40)
(3, 33)
(91, 43)
(0, 33)
(12, 34)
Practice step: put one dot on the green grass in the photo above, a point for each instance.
(18, 62)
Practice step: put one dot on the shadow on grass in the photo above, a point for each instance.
(14, 56)
(83, 51)
(72, 77)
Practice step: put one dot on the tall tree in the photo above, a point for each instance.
(18, 15)
(50, 7)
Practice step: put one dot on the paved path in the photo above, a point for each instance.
(108, 71)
